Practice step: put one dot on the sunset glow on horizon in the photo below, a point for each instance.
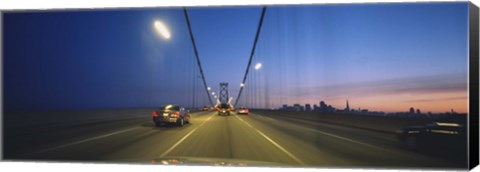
(388, 102)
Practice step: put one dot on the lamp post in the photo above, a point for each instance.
(161, 29)
(258, 66)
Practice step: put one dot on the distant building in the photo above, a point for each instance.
(285, 107)
(323, 106)
(297, 107)
(419, 112)
(316, 108)
(412, 110)
(330, 108)
(308, 107)
(347, 109)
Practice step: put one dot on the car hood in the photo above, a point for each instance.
(211, 161)
(203, 161)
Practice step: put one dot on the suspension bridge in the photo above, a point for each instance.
(269, 135)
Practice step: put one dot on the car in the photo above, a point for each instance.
(205, 108)
(437, 136)
(223, 109)
(171, 114)
(242, 110)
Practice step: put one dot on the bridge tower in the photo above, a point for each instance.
(223, 93)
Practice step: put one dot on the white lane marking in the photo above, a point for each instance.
(273, 142)
(281, 148)
(206, 120)
(239, 118)
(245, 122)
(335, 136)
(249, 125)
(184, 137)
(180, 141)
(86, 140)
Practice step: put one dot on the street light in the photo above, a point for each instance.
(258, 66)
(208, 88)
(242, 85)
(161, 29)
(213, 93)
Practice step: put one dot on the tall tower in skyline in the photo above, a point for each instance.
(347, 109)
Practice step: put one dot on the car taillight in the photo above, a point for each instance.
(155, 113)
(176, 114)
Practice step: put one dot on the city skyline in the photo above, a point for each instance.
(347, 107)
(435, 94)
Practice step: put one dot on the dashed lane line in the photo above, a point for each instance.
(180, 141)
(184, 137)
(273, 142)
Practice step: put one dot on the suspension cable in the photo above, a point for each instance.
(251, 54)
(196, 54)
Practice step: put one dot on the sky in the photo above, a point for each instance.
(97, 59)
(385, 57)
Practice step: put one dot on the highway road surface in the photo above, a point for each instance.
(240, 138)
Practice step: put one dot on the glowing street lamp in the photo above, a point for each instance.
(242, 85)
(213, 93)
(208, 88)
(258, 66)
(161, 29)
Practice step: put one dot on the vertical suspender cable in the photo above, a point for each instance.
(251, 54)
(196, 55)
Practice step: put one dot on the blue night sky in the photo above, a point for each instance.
(385, 57)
